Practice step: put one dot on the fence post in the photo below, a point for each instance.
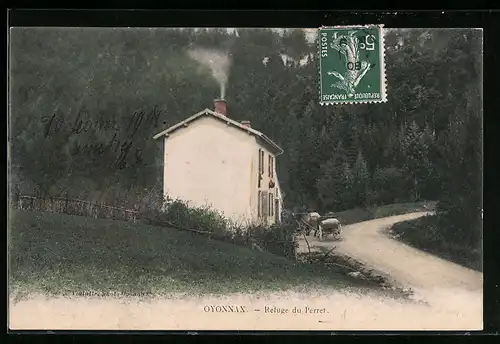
(73, 207)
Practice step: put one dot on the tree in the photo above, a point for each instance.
(360, 181)
(417, 164)
(347, 192)
(389, 185)
(328, 184)
(335, 182)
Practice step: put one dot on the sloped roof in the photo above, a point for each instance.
(208, 112)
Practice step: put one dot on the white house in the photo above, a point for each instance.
(211, 159)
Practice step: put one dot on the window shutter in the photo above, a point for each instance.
(262, 158)
(271, 204)
(259, 201)
(264, 204)
(260, 161)
(260, 172)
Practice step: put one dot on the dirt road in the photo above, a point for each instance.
(369, 243)
(432, 279)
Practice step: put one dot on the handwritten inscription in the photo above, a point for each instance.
(56, 124)
(121, 138)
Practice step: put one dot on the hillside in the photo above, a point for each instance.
(62, 254)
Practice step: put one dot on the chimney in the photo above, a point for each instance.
(220, 106)
(246, 124)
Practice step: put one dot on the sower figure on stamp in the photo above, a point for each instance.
(348, 46)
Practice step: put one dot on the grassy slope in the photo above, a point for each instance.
(423, 233)
(62, 254)
(355, 215)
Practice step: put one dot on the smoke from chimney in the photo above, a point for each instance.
(220, 106)
(217, 61)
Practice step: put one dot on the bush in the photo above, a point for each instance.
(198, 218)
(461, 218)
(431, 234)
(277, 239)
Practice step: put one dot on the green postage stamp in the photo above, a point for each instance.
(352, 68)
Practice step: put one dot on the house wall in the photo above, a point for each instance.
(264, 185)
(210, 163)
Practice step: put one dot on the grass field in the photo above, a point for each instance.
(355, 215)
(63, 255)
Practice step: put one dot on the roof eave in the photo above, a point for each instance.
(279, 150)
(221, 117)
(179, 125)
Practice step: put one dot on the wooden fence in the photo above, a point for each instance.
(74, 207)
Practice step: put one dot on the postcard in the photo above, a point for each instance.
(190, 179)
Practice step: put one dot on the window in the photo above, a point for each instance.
(260, 162)
(259, 205)
(277, 210)
(263, 204)
(271, 204)
(271, 166)
(261, 165)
